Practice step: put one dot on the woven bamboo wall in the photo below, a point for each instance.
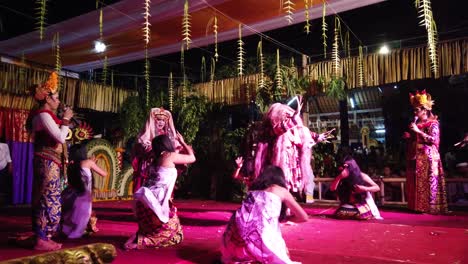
(16, 83)
(399, 65)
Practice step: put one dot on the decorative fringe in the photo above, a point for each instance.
(324, 29)
(104, 71)
(184, 81)
(261, 60)
(171, 92)
(360, 67)
(146, 24)
(186, 25)
(307, 16)
(240, 53)
(288, 7)
(278, 75)
(335, 50)
(212, 72)
(100, 24)
(203, 69)
(215, 31)
(147, 77)
(427, 20)
(56, 47)
(41, 17)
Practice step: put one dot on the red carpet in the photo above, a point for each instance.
(401, 237)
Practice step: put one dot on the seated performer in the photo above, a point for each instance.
(253, 233)
(354, 192)
(77, 197)
(158, 224)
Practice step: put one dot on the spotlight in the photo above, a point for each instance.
(384, 50)
(380, 131)
(99, 46)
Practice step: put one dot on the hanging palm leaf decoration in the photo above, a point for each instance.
(56, 47)
(171, 92)
(261, 61)
(427, 21)
(112, 78)
(335, 49)
(361, 67)
(347, 44)
(324, 29)
(41, 17)
(212, 72)
(100, 24)
(278, 75)
(184, 76)
(147, 77)
(146, 24)
(104, 71)
(58, 61)
(186, 25)
(240, 53)
(203, 69)
(215, 31)
(288, 7)
(307, 16)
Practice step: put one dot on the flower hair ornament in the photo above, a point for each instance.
(47, 88)
(421, 99)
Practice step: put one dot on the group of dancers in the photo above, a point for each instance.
(280, 165)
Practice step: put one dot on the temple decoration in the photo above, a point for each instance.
(288, 7)
(41, 13)
(203, 69)
(261, 61)
(186, 25)
(278, 76)
(212, 72)
(171, 92)
(56, 46)
(146, 24)
(83, 132)
(427, 20)
(147, 76)
(324, 29)
(104, 70)
(215, 31)
(240, 53)
(307, 16)
(335, 49)
(360, 67)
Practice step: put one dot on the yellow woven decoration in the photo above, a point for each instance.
(427, 20)
(240, 53)
(335, 49)
(324, 29)
(288, 7)
(186, 25)
(146, 24)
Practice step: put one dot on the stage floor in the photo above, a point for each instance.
(400, 237)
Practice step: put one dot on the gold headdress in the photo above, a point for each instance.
(47, 88)
(160, 113)
(421, 99)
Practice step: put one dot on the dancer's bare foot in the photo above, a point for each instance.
(47, 245)
(130, 244)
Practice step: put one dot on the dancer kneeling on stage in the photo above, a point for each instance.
(158, 224)
(253, 233)
(354, 190)
(77, 197)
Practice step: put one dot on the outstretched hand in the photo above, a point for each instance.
(239, 162)
(180, 138)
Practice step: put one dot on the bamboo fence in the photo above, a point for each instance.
(399, 65)
(17, 84)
